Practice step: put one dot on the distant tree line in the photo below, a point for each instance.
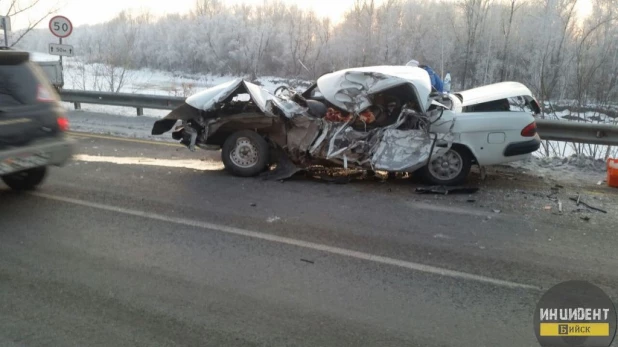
(544, 44)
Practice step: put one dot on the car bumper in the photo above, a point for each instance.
(57, 150)
(524, 147)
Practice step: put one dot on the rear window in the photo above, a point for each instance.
(19, 84)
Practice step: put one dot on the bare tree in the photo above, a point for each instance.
(475, 13)
(16, 9)
(507, 26)
(555, 52)
(207, 8)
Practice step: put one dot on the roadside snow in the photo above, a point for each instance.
(86, 76)
(573, 169)
(38, 56)
(81, 76)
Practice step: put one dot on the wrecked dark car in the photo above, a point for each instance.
(382, 118)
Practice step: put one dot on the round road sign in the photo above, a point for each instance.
(60, 26)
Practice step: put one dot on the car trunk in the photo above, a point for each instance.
(28, 105)
(498, 97)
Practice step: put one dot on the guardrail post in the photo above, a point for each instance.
(78, 105)
(140, 111)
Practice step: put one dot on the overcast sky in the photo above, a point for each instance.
(96, 11)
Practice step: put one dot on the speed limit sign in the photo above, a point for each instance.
(60, 26)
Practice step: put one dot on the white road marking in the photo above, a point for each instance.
(294, 242)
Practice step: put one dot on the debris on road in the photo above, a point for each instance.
(585, 218)
(273, 219)
(253, 204)
(578, 202)
(496, 211)
(559, 206)
(547, 208)
(307, 261)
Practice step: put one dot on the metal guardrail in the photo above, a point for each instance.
(139, 101)
(602, 134)
(593, 133)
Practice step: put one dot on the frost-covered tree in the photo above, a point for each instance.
(541, 43)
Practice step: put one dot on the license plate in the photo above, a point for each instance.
(23, 162)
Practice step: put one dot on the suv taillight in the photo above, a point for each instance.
(529, 130)
(63, 123)
(43, 94)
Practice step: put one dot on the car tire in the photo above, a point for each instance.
(25, 180)
(245, 153)
(450, 169)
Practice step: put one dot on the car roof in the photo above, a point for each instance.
(9, 56)
(390, 76)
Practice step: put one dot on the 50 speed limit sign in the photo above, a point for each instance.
(60, 26)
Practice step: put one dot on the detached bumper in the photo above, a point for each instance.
(520, 148)
(58, 150)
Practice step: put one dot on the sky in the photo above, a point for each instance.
(82, 12)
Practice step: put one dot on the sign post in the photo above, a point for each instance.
(6, 27)
(61, 27)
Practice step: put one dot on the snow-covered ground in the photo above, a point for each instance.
(38, 56)
(573, 169)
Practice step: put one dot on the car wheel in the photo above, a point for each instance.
(25, 180)
(452, 168)
(245, 153)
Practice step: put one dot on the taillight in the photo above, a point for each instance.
(43, 94)
(63, 123)
(529, 130)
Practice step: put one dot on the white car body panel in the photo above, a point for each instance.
(474, 131)
(492, 92)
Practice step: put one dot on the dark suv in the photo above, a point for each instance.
(32, 124)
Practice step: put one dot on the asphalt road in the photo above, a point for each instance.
(142, 244)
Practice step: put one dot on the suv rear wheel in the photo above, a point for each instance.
(25, 180)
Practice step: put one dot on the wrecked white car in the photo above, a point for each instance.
(382, 118)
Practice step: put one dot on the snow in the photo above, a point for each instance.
(573, 169)
(40, 57)
(81, 76)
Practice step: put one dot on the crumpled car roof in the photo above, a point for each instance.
(349, 89)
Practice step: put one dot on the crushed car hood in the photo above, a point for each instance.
(208, 99)
(351, 89)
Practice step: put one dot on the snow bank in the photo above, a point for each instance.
(575, 169)
(38, 56)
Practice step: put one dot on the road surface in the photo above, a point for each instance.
(143, 244)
